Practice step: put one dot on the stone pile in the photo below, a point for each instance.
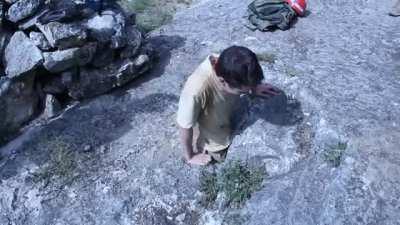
(55, 51)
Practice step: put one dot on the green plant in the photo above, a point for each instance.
(237, 181)
(151, 14)
(209, 186)
(61, 163)
(335, 153)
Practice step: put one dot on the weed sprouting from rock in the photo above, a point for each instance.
(61, 164)
(236, 181)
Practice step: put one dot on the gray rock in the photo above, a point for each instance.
(2, 9)
(23, 9)
(31, 22)
(109, 26)
(54, 85)
(119, 39)
(64, 59)
(102, 27)
(103, 57)
(52, 106)
(134, 38)
(4, 39)
(21, 55)
(59, 84)
(94, 82)
(39, 40)
(19, 103)
(64, 36)
(10, 1)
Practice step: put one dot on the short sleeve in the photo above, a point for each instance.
(188, 111)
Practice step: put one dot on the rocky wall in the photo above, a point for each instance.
(55, 51)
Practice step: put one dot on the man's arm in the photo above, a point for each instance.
(186, 136)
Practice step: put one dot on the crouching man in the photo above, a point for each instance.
(208, 100)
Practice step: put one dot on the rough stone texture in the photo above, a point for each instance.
(134, 43)
(103, 56)
(19, 102)
(4, 38)
(102, 27)
(52, 106)
(2, 8)
(62, 35)
(62, 60)
(23, 9)
(93, 82)
(31, 22)
(39, 40)
(338, 66)
(21, 55)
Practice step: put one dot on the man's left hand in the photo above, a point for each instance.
(266, 90)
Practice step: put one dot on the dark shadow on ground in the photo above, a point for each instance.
(163, 46)
(281, 110)
(82, 126)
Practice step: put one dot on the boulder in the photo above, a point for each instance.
(23, 9)
(103, 57)
(2, 7)
(58, 84)
(134, 42)
(64, 36)
(92, 82)
(21, 55)
(64, 59)
(10, 1)
(101, 27)
(4, 38)
(19, 103)
(31, 22)
(52, 106)
(39, 40)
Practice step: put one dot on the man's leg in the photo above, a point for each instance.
(396, 9)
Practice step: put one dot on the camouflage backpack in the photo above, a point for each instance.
(266, 15)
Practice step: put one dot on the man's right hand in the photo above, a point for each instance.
(200, 159)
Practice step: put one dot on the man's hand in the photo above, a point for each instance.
(201, 159)
(266, 90)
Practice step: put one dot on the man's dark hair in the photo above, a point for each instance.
(239, 66)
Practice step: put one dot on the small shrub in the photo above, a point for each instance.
(334, 154)
(237, 181)
(151, 14)
(61, 164)
(209, 186)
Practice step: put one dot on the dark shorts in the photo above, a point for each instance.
(218, 156)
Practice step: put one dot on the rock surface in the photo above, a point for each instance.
(22, 9)
(19, 103)
(339, 67)
(21, 55)
(62, 60)
(64, 36)
(39, 40)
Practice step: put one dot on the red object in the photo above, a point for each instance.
(298, 5)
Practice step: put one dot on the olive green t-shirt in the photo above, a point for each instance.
(202, 103)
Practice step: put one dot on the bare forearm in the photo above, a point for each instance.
(186, 136)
